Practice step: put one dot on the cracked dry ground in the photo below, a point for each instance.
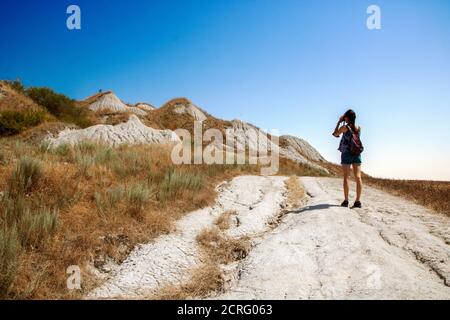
(257, 201)
(391, 248)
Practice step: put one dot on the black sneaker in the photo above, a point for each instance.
(357, 204)
(345, 204)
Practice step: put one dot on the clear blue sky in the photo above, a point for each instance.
(291, 65)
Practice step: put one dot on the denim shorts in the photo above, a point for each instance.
(347, 159)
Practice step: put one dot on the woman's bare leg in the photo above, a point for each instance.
(358, 178)
(346, 172)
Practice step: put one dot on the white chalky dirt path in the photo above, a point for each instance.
(391, 248)
(170, 258)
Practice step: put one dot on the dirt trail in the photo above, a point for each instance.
(391, 248)
(170, 258)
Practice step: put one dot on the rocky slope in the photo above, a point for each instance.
(131, 132)
(11, 100)
(153, 125)
(108, 102)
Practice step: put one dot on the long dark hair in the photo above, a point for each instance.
(351, 116)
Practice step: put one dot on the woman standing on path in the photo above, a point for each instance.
(347, 127)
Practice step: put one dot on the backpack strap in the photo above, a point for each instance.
(352, 132)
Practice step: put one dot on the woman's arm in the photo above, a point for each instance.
(339, 129)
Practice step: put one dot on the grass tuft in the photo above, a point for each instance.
(34, 227)
(295, 192)
(10, 251)
(221, 248)
(176, 182)
(223, 222)
(25, 176)
(204, 279)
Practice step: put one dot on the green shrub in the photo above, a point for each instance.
(3, 157)
(134, 198)
(97, 153)
(130, 163)
(86, 147)
(13, 209)
(16, 85)
(62, 150)
(84, 163)
(20, 148)
(56, 104)
(87, 154)
(14, 122)
(139, 194)
(104, 155)
(176, 181)
(36, 228)
(59, 105)
(108, 201)
(44, 146)
(26, 174)
(10, 250)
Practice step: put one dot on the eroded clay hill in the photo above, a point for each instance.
(117, 122)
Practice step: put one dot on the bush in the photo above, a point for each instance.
(104, 155)
(139, 195)
(10, 251)
(62, 150)
(176, 181)
(14, 122)
(87, 147)
(13, 210)
(3, 157)
(133, 198)
(36, 228)
(56, 104)
(25, 175)
(97, 153)
(59, 105)
(108, 201)
(131, 163)
(86, 155)
(84, 163)
(16, 85)
(44, 146)
(33, 227)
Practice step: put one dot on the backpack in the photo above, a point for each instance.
(356, 146)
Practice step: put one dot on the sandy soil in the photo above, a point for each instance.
(391, 248)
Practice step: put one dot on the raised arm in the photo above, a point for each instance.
(339, 129)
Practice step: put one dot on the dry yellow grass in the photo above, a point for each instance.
(166, 118)
(431, 194)
(295, 192)
(220, 248)
(204, 279)
(107, 201)
(14, 101)
(223, 222)
(289, 167)
(216, 249)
